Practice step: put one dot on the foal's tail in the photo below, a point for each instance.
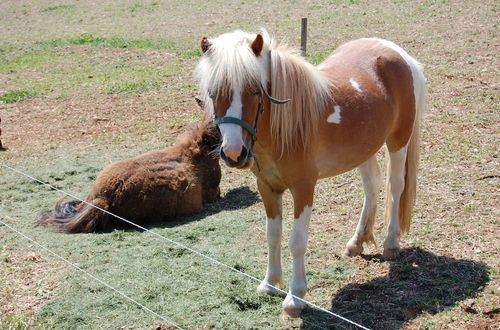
(76, 217)
(408, 196)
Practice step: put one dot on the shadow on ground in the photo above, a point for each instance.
(234, 199)
(418, 282)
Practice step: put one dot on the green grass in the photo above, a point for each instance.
(318, 57)
(134, 87)
(16, 96)
(58, 7)
(154, 272)
(58, 71)
(190, 54)
(113, 42)
(12, 321)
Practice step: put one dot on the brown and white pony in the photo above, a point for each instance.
(340, 113)
(148, 188)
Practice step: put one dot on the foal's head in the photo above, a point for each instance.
(233, 69)
(206, 161)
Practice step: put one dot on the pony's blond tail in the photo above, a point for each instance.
(408, 196)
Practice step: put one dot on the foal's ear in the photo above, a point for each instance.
(205, 44)
(257, 45)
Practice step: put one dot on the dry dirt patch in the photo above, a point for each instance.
(28, 281)
(37, 124)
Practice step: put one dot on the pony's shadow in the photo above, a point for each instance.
(234, 199)
(418, 282)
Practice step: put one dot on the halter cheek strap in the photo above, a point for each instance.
(260, 110)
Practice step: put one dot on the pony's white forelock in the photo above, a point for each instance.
(228, 64)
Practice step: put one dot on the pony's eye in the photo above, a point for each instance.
(212, 95)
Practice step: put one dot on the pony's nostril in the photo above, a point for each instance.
(222, 154)
(240, 159)
(232, 153)
(243, 154)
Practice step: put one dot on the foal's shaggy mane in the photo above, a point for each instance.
(230, 63)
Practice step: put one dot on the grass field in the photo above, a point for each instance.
(86, 83)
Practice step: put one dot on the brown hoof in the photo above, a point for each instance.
(391, 253)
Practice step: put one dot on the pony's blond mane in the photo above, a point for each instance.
(292, 77)
(230, 63)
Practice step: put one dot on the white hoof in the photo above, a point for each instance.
(264, 287)
(292, 307)
(353, 250)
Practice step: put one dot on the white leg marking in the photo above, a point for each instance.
(232, 134)
(372, 181)
(298, 246)
(335, 116)
(355, 85)
(273, 273)
(397, 182)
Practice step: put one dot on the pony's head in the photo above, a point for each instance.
(233, 69)
(237, 75)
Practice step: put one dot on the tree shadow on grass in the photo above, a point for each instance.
(418, 282)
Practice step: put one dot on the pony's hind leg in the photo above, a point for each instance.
(396, 185)
(370, 175)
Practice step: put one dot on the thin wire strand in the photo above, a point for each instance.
(185, 247)
(92, 276)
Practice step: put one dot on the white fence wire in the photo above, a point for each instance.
(161, 237)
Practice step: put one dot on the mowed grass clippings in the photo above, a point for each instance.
(110, 80)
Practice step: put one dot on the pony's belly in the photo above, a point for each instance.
(331, 167)
(332, 161)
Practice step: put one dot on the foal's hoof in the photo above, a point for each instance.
(391, 253)
(353, 250)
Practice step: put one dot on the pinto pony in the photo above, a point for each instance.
(293, 123)
(150, 187)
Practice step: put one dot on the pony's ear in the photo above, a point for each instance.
(205, 44)
(257, 44)
(200, 103)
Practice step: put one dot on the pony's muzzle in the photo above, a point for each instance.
(236, 160)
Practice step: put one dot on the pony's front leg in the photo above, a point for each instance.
(272, 203)
(292, 306)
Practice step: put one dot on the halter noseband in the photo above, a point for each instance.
(260, 110)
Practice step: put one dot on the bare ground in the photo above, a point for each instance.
(456, 218)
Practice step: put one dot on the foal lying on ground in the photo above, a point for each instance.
(150, 187)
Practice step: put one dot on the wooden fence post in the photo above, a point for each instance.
(303, 36)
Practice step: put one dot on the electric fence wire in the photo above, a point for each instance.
(185, 247)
